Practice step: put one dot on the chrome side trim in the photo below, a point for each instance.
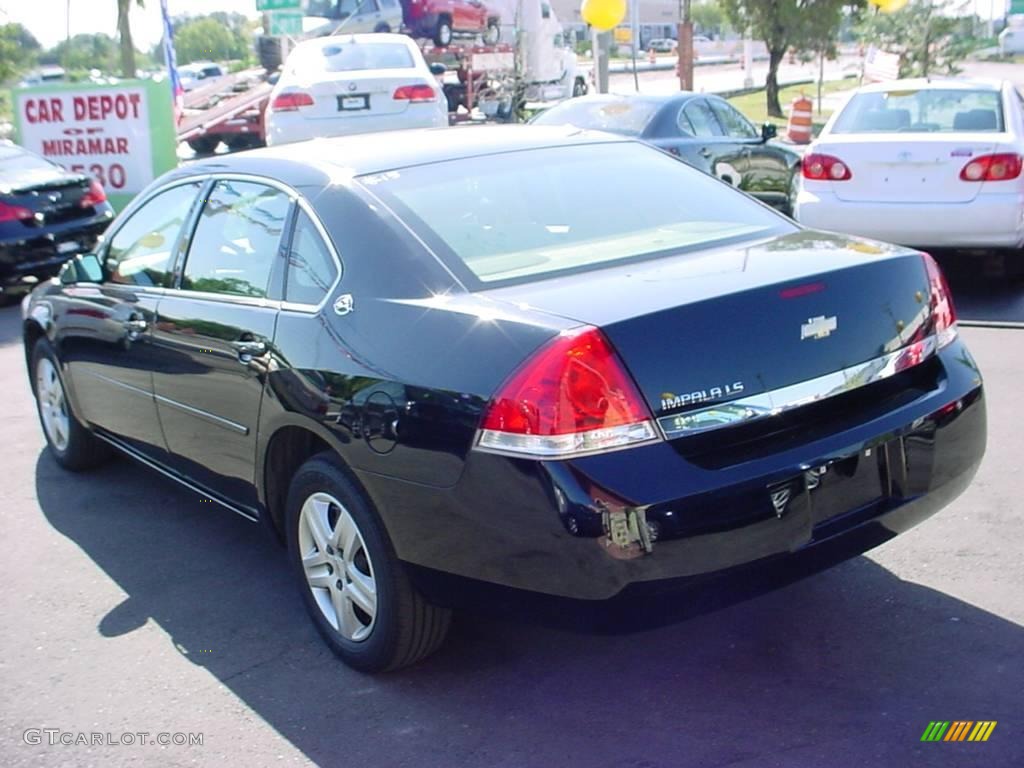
(116, 383)
(176, 478)
(213, 418)
(748, 409)
(218, 420)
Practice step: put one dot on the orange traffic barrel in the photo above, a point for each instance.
(799, 128)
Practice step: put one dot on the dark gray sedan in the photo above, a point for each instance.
(705, 131)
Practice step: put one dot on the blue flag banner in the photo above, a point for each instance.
(171, 59)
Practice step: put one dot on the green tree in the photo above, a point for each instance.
(18, 50)
(124, 31)
(927, 39)
(200, 39)
(800, 25)
(710, 18)
(84, 52)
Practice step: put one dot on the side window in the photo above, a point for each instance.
(684, 124)
(236, 240)
(311, 270)
(736, 125)
(703, 121)
(142, 251)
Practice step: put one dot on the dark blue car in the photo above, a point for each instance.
(703, 130)
(514, 358)
(47, 215)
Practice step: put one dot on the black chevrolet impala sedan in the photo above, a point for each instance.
(540, 358)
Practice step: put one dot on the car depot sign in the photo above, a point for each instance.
(122, 135)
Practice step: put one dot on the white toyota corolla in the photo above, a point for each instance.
(333, 86)
(927, 163)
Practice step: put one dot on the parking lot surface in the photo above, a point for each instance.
(130, 606)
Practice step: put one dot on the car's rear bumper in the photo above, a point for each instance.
(988, 221)
(40, 256)
(543, 526)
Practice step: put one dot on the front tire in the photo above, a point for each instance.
(353, 585)
(72, 445)
(443, 32)
(493, 33)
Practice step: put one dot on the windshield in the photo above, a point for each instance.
(928, 110)
(533, 213)
(345, 56)
(626, 116)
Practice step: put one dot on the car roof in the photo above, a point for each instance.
(343, 157)
(365, 37)
(926, 83)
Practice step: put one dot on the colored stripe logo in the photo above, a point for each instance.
(958, 730)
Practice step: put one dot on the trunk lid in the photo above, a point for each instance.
(890, 168)
(368, 93)
(708, 327)
(55, 196)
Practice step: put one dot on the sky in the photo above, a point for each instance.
(47, 19)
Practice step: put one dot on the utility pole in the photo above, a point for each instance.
(685, 46)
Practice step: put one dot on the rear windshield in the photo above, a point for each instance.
(529, 214)
(930, 110)
(628, 117)
(17, 159)
(348, 56)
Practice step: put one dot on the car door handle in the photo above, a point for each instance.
(705, 152)
(249, 348)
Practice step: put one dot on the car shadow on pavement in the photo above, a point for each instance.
(846, 668)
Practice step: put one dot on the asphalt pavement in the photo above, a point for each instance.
(129, 605)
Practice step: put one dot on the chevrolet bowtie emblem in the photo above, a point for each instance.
(817, 327)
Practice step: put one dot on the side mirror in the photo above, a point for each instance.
(769, 131)
(84, 268)
(438, 68)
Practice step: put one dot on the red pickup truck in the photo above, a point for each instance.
(442, 19)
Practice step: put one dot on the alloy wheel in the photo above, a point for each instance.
(337, 566)
(52, 404)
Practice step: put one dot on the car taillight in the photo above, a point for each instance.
(999, 167)
(290, 102)
(14, 212)
(94, 196)
(415, 93)
(572, 397)
(825, 168)
(943, 311)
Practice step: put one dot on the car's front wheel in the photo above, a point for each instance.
(493, 32)
(355, 588)
(70, 442)
(443, 32)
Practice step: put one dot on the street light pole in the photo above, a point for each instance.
(685, 46)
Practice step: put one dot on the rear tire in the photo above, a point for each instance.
(353, 585)
(382, 27)
(204, 145)
(443, 32)
(579, 87)
(70, 442)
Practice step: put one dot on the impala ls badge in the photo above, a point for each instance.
(817, 327)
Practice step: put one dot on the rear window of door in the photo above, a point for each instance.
(311, 269)
(236, 240)
(735, 124)
(142, 250)
(699, 120)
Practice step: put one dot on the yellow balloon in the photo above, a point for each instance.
(889, 6)
(603, 15)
